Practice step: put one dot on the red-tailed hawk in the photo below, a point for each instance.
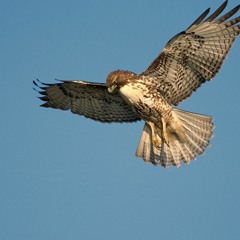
(170, 135)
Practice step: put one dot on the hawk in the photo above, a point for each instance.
(170, 135)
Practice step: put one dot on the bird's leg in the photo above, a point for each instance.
(155, 138)
(164, 132)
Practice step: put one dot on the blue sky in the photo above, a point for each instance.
(63, 176)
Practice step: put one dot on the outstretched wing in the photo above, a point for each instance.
(195, 55)
(86, 98)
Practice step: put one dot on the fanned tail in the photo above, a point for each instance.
(188, 135)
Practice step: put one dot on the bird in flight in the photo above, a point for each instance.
(170, 135)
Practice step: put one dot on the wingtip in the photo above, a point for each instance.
(237, 7)
(225, 3)
(223, 6)
(200, 18)
(35, 82)
(45, 105)
(58, 80)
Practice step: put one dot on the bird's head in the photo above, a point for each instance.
(118, 78)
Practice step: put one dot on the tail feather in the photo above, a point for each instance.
(177, 155)
(200, 139)
(203, 127)
(186, 153)
(195, 117)
(202, 133)
(146, 150)
(197, 129)
(194, 145)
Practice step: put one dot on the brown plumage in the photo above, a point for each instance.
(170, 135)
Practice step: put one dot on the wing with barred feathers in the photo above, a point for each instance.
(195, 55)
(87, 98)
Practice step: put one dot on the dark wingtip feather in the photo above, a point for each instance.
(215, 15)
(45, 105)
(200, 18)
(58, 80)
(34, 82)
(217, 12)
(41, 90)
(227, 15)
(44, 98)
(37, 83)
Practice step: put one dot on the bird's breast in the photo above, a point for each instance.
(149, 104)
(133, 94)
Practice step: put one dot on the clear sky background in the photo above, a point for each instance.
(63, 176)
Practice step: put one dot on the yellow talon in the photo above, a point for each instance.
(156, 142)
(159, 135)
(155, 137)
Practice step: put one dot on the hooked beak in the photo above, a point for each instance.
(112, 88)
